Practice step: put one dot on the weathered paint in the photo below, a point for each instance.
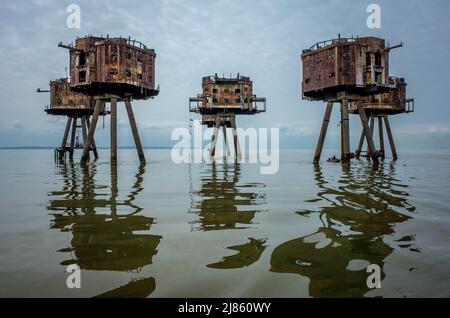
(394, 101)
(222, 94)
(64, 101)
(114, 66)
(354, 65)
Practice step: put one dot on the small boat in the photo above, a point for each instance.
(333, 159)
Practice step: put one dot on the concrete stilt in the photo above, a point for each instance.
(90, 138)
(64, 140)
(381, 136)
(360, 144)
(225, 140)
(94, 147)
(370, 145)
(72, 137)
(371, 128)
(215, 136)
(345, 155)
(113, 130)
(323, 132)
(391, 138)
(237, 147)
(84, 130)
(134, 130)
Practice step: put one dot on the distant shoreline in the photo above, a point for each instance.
(166, 147)
(47, 147)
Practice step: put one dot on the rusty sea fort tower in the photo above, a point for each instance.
(222, 99)
(76, 107)
(354, 72)
(102, 70)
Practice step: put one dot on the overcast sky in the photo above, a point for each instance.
(260, 39)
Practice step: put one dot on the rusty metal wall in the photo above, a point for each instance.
(122, 63)
(232, 93)
(388, 103)
(61, 97)
(86, 47)
(344, 64)
(111, 61)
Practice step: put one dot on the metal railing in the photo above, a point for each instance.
(196, 103)
(136, 43)
(323, 44)
(128, 40)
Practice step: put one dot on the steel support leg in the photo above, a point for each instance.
(381, 136)
(90, 137)
(94, 147)
(215, 136)
(84, 130)
(323, 132)
(225, 140)
(237, 147)
(72, 138)
(114, 130)
(371, 146)
(391, 138)
(345, 156)
(360, 144)
(372, 128)
(64, 140)
(137, 139)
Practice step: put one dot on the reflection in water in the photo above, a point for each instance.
(104, 241)
(248, 254)
(139, 288)
(357, 214)
(223, 203)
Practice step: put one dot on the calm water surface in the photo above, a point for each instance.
(223, 230)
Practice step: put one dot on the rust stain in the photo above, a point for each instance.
(394, 101)
(62, 97)
(221, 94)
(355, 65)
(118, 66)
